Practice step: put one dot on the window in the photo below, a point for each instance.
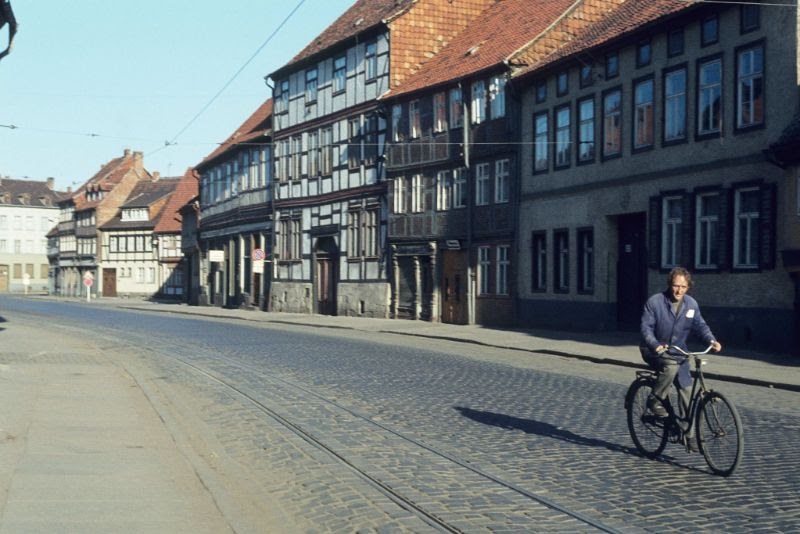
(612, 65)
(541, 92)
(482, 184)
(354, 145)
(414, 119)
(706, 250)
(586, 260)
(3, 222)
(750, 17)
(151, 275)
(311, 85)
(17, 222)
(339, 74)
(675, 105)
(313, 154)
(371, 232)
(439, 112)
(44, 270)
(459, 188)
(612, 123)
(587, 76)
(290, 236)
(399, 195)
(29, 223)
(397, 116)
(643, 53)
(456, 110)
(671, 227)
(484, 270)
(326, 151)
(282, 97)
(541, 159)
(562, 83)
(371, 61)
(502, 181)
(675, 42)
(503, 266)
(586, 130)
(444, 190)
(497, 97)
(417, 193)
(3, 245)
(140, 275)
(297, 157)
(370, 139)
(745, 231)
(709, 96)
(478, 109)
(643, 114)
(750, 87)
(563, 144)
(561, 260)
(17, 270)
(538, 261)
(354, 233)
(709, 31)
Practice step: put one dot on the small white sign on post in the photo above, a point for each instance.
(258, 267)
(216, 256)
(88, 280)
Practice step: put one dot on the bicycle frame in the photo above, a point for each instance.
(686, 413)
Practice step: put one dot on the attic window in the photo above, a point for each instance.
(134, 214)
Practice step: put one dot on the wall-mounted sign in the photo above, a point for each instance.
(452, 244)
(258, 267)
(216, 256)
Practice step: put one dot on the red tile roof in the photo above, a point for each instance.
(361, 16)
(28, 192)
(257, 126)
(487, 42)
(109, 175)
(570, 37)
(171, 219)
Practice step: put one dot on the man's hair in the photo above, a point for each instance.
(679, 271)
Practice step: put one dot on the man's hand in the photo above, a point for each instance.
(716, 346)
(661, 349)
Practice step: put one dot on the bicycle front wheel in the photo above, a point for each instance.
(720, 434)
(649, 433)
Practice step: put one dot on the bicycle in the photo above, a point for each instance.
(713, 418)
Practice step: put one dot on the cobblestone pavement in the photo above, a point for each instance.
(402, 413)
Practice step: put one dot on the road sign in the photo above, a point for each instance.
(258, 254)
(216, 256)
(87, 281)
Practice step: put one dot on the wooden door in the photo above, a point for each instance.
(631, 270)
(109, 282)
(454, 287)
(326, 285)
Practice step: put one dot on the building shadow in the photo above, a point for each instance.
(2, 320)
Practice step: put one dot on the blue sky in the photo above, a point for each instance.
(90, 78)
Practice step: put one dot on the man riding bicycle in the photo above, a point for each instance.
(668, 319)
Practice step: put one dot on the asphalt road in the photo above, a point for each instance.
(344, 432)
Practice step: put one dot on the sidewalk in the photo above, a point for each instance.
(614, 348)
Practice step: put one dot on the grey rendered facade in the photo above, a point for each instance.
(627, 175)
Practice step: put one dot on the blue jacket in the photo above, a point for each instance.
(660, 326)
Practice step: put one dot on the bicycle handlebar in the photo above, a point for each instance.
(689, 354)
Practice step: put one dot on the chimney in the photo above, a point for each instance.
(138, 162)
(51, 183)
(69, 189)
(156, 176)
(127, 152)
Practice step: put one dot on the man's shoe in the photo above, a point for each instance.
(691, 444)
(655, 407)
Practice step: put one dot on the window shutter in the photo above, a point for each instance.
(654, 234)
(725, 229)
(687, 231)
(766, 227)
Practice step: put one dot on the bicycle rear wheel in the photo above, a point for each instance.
(720, 434)
(649, 433)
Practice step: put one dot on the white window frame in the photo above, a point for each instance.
(397, 115)
(444, 190)
(643, 114)
(502, 181)
(478, 107)
(750, 220)
(503, 267)
(371, 61)
(750, 76)
(456, 108)
(675, 105)
(482, 184)
(671, 228)
(460, 188)
(414, 119)
(399, 195)
(612, 122)
(706, 232)
(497, 97)
(707, 93)
(484, 270)
(339, 74)
(563, 147)
(417, 193)
(541, 151)
(586, 130)
(439, 112)
(312, 80)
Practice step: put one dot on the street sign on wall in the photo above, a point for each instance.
(258, 254)
(216, 256)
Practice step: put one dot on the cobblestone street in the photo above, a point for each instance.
(341, 431)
